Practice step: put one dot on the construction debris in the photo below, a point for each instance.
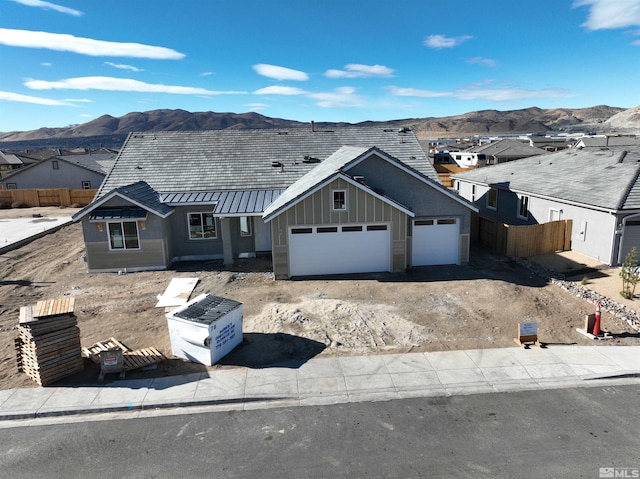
(136, 359)
(48, 345)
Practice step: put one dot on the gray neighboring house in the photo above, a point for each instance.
(76, 172)
(348, 200)
(597, 188)
(504, 150)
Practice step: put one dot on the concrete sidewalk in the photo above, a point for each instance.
(337, 380)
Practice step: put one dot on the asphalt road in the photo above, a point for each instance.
(554, 433)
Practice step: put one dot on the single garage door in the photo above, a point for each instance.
(339, 249)
(630, 238)
(435, 241)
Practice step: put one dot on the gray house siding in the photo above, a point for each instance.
(43, 175)
(591, 232)
(151, 254)
(315, 209)
(410, 191)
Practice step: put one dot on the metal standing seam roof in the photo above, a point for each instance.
(226, 202)
(605, 178)
(242, 160)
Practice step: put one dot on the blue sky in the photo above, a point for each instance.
(70, 61)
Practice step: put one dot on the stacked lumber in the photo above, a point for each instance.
(48, 345)
(135, 359)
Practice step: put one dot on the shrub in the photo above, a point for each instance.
(630, 274)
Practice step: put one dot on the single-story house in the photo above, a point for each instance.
(348, 200)
(504, 150)
(73, 171)
(597, 188)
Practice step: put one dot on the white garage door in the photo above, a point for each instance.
(339, 249)
(435, 241)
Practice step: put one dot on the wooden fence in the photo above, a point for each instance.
(522, 241)
(48, 197)
(445, 172)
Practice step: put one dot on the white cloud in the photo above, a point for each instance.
(440, 41)
(46, 64)
(608, 14)
(338, 98)
(9, 96)
(487, 62)
(78, 100)
(206, 74)
(119, 84)
(355, 70)
(343, 97)
(50, 6)
(280, 73)
(256, 106)
(122, 66)
(478, 93)
(280, 90)
(84, 46)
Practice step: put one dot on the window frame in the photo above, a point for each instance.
(124, 246)
(493, 206)
(86, 185)
(342, 191)
(523, 201)
(248, 231)
(11, 186)
(190, 233)
(55, 164)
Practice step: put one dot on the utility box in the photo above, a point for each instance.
(205, 329)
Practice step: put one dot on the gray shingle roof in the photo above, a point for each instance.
(98, 162)
(232, 160)
(601, 177)
(139, 193)
(507, 149)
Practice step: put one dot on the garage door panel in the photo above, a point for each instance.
(630, 238)
(435, 242)
(339, 252)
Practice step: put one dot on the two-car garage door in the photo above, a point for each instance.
(435, 241)
(339, 249)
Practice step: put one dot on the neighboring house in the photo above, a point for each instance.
(551, 143)
(597, 188)
(607, 140)
(349, 200)
(76, 172)
(504, 150)
(9, 163)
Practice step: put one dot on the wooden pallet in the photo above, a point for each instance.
(136, 359)
(54, 307)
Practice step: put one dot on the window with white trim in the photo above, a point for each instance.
(339, 200)
(492, 199)
(86, 185)
(12, 186)
(245, 226)
(54, 164)
(202, 226)
(123, 235)
(523, 207)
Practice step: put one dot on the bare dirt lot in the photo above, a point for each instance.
(425, 309)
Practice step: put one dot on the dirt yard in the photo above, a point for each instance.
(427, 309)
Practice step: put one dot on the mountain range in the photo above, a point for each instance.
(597, 119)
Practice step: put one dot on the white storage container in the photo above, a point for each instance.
(205, 329)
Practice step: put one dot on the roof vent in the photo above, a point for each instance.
(276, 164)
(310, 159)
(359, 179)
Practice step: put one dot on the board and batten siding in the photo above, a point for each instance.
(316, 210)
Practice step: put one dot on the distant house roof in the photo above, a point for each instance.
(10, 159)
(139, 194)
(605, 178)
(507, 149)
(101, 162)
(605, 140)
(245, 160)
